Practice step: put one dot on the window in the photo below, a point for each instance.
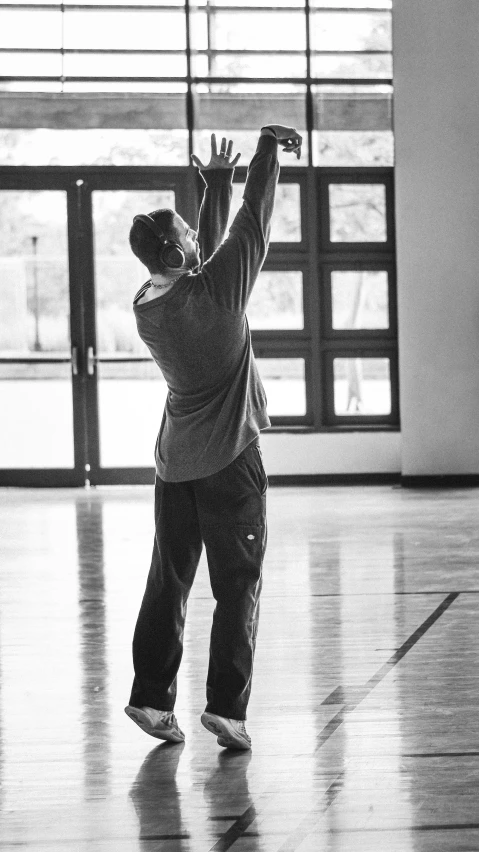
(124, 84)
(358, 296)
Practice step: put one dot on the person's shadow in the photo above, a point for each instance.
(156, 797)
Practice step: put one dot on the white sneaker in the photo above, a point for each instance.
(231, 732)
(161, 724)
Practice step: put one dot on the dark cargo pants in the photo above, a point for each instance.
(226, 512)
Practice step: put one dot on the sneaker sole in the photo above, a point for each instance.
(143, 722)
(227, 736)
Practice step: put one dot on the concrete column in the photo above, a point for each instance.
(436, 112)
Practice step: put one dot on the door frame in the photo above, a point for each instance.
(79, 182)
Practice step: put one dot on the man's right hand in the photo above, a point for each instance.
(287, 136)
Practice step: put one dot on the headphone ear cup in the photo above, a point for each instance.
(173, 256)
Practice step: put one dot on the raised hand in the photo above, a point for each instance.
(219, 160)
(287, 136)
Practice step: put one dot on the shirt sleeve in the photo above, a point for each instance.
(231, 271)
(214, 210)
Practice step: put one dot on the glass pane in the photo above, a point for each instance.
(44, 146)
(352, 65)
(352, 4)
(351, 30)
(360, 299)
(352, 126)
(124, 3)
(36, 426)
(240, 110)
(119, 29)
(128, 432)
(277, 301)
(35, 318)
(353, 148)
(362, 386)
(357, 212)
(273, 3)
(28, 64)
(286, 222)
(30, 28)
(247, 65)
(222, 29)
(118, 275)
(285, 385)
(125, 65)
(34, 282)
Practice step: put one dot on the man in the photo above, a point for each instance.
(210, 486)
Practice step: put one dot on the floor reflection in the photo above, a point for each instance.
(363, 712)
(156, 797)
(231, 810)
(93, 648)
(169, 810)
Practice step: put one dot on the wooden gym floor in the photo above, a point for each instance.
(364, 713)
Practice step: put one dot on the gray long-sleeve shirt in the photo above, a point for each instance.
(198, 333)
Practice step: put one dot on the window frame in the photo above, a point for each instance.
(360, 175)
(357, 420)
(355, 335)
(316, 256)
(318, 342)
(272, 349)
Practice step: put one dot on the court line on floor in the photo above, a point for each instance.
(394, 659)
(292, 842)
(441, 754)
(368, 594)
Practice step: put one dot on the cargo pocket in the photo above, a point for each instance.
(264, 478)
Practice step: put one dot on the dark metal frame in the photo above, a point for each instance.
(360, 175)
(79, 183)
(37, 179)
(317, 342)
(315, 255)
(356, 343)
(360, 420)
(346, 336)
(190, 79)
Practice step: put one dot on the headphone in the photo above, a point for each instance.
(171, 254)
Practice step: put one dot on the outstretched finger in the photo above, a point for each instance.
(197, 161)
(233, 162)
(229, 148)
(214, 149)
(293, 150)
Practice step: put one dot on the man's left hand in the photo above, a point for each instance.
(221, 160)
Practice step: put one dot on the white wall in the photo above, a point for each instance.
(436, 111)
(326, 452)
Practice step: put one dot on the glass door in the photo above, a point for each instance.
(41, 427)
(128, 393)
(81, 399)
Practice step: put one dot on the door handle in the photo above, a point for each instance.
(74, 360)
(90, 361)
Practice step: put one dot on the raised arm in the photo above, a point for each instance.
(215, 206)
(232, 271)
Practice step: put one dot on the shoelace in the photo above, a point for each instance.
(243, 729)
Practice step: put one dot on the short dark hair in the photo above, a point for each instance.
(146, 246)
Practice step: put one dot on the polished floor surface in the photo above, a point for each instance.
(365, 706)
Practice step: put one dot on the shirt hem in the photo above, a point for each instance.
(252, 434)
